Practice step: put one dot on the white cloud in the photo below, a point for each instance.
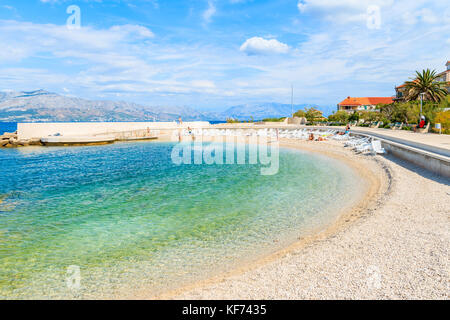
(301, 6)
(428, 16)
(209, 12)
(330, 5)
(133, 30)
(258, 45)
(203, 84)
(350, 11)
(39, 37)
(337, 58)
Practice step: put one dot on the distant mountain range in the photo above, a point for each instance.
(44, 106)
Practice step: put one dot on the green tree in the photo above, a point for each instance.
(370, 116)
(387, 110)
(425, 82)
(354, 116)
(445, 103)
(405, 112)
(313, 114)
(300, 114)
(339, 116)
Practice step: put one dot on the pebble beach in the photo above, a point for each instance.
(394, 246)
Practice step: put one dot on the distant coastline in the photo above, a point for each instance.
(44, 106)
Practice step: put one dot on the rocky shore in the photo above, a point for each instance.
(11, 140)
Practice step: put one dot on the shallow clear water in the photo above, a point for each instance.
(130, 219)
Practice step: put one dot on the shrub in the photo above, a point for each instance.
(231, 120)
(273, 119)
(443, 118)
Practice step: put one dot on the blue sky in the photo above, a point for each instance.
(211, 54)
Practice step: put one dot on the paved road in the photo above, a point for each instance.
(431, 142)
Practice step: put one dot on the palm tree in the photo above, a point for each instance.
(425, 82)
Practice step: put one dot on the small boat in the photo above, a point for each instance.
(77, 140)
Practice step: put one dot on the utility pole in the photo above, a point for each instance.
(292, 100)
(421, 102)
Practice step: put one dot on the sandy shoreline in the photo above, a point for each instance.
(393, 244)
(377, 183)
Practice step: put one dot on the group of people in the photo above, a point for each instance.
(312, 138)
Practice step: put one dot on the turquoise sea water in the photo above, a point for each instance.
(132, 220)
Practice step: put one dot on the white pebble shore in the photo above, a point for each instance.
(398, 249)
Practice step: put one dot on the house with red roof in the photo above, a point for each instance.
(352, 104)
(443, 76)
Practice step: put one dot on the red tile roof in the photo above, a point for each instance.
(404, 85)
(366, 101)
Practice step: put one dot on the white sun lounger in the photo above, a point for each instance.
(376, 146)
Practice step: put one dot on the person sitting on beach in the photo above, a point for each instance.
(191, 133)
(347, 129)
(311, 137)
(421, 124)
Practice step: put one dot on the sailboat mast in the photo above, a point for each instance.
(292, 100)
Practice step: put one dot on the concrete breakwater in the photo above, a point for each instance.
(42, 130)
(38, 133)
